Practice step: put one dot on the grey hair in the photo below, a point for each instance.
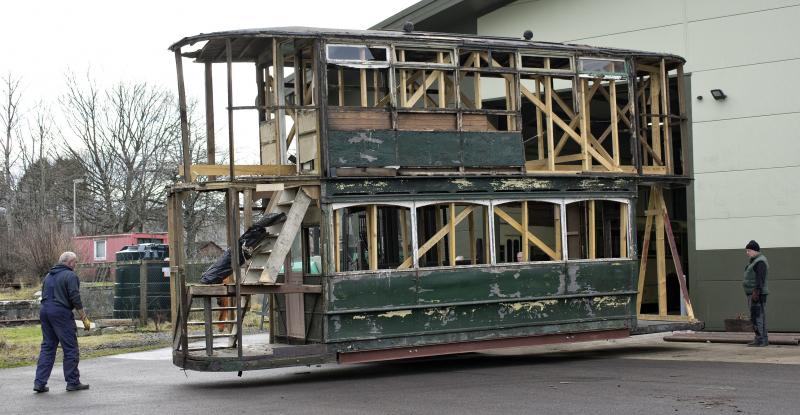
(66, 257)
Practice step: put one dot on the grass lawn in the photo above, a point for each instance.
(11, 294)
(19, 346)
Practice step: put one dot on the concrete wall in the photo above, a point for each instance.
(746, 149)
(97, 300)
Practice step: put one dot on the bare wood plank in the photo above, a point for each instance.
(362, 73)
(404, 233)
(473, 243)
(548, 110)
(526, 245)
(209, 103)
(557, 226)
(477, 81)
(403, 82)
(359, 120)
(242, 170)
(682, 114)
(440, 245)
(248, 208)
(587, 161)
(186, 153)
(645, 252)
(612, 86)
(676, 259)
(661, 264)
(341, 86)
(623, 230)
(426, 122)
(592, 230)
(539, 127)
(372, 228)
(655, 110)
(667, 130)
(442, 87)
(451, 237)
(337, 241)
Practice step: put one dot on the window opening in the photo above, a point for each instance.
(372, 237)
(451, 234)
(597, 229)
(536, 223)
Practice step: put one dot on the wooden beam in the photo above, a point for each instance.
(548, 110)
(585, 131)
(612, 86)
(645, 252)
(340, 83)
(231, 148)
(592, 231)
(667, 130)
(539, 127)
(403, 82)
(185, 148)
(525, 228)
(623, 230)
(362, 73)
(441, 233)
(337, 243)
(404, 233)
(241, 170)
(209, 102)
(661, 262)
(372, 228)
(473, 243)
(439, 246)
(477, 81)
(531, 237)
(451, 237)
(442, 87)
(248, 208)
(676, 258)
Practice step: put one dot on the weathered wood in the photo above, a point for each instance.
(665, 118)
(476, 122)
(677, 261)
(592, 231)
(623, 230)
(557, 230)
(241, 170)
(337, 241)
(143, 292)
(661, 265)
(362, 76)
(612, 86)
(551, 155)
(645, 252)
(359, 120)
(539, 127)
(525, 227)
(289, 230)
(372, 230)
(209, 102)
(473, 250)
(208, 316)
(185, 149)
(451, 238)
(426, 122)
(231, 148)
(587, 161)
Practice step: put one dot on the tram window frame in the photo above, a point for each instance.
(478, 250)
(365, 260)
(508, 250)
(608, 243)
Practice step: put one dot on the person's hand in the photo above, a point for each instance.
(755, 296)
(87, 324)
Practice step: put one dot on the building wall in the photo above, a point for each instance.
(746, 149)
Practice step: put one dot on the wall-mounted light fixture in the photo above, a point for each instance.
(718, 94)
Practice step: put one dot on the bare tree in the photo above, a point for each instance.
(10, 119)
(123, 138)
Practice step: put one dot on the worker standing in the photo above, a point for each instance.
(755, 288)
(60, 295)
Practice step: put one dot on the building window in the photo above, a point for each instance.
(100, 250)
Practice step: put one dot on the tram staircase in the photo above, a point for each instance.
(261, 269)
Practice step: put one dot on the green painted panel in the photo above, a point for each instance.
(601, 276)
(493, 149)
(372, 290)
(485, 283)
(429, 149)
(472, 317)
(362, 148)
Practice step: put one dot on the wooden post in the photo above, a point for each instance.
(248, 208)
(404, 233)
(210, 146)
(232, 216)
(645, 250)
(337, 243)
(557, 226)
(587, 161)
(372, 218)
(362, 74)
(143, 292)
(473, 243)
(477, 81)
(341, 86)
(440, 244)
(592, 230)
(666, 118)
(403, 82)
(612, 87)
(655, 129)
(551, 156)
(623, 230)
(661, 266)
(451, 238)
(683, 126)
(442, 90)
(187, 155)
(539, 126)
(208, 317)
(487, 240)
(524, 234)
(231, 149)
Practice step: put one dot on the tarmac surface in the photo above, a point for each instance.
(639, 375)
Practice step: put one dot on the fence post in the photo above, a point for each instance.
(143, 292)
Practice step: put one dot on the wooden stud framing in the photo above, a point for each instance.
(661, 265)
(548, 91)
(185, 149)
(440, 245)
(441, 233)
(665, 117)
(451, 238)
(404, 232)
(231, 148)
(592, 231)
(587, 161)
(525, 229)
(340, 78)
(530, 237)
(362, 74)
(540, 139)
(209, 103)
(372, 228)
(612, 87)
(473, 248)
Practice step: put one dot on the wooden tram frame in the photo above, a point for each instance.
(644, 112)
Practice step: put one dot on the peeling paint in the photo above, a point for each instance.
(359, 317)
(521, 184)
(367, 157)
(494, 291)
(462, 183)
(398, 313)
(610, 302)
(364, 138)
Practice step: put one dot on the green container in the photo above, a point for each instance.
(127, 287)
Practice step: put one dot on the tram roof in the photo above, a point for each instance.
(247, 44)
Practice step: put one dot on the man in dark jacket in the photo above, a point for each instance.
(60, 295)
(755, 287)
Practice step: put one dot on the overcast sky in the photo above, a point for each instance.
(127, 41)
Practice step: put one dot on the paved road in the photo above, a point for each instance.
(622, 377)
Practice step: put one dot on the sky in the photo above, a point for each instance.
(127, 41)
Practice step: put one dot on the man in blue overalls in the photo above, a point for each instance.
(60, 294)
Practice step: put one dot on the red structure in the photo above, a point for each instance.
(98, 249)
